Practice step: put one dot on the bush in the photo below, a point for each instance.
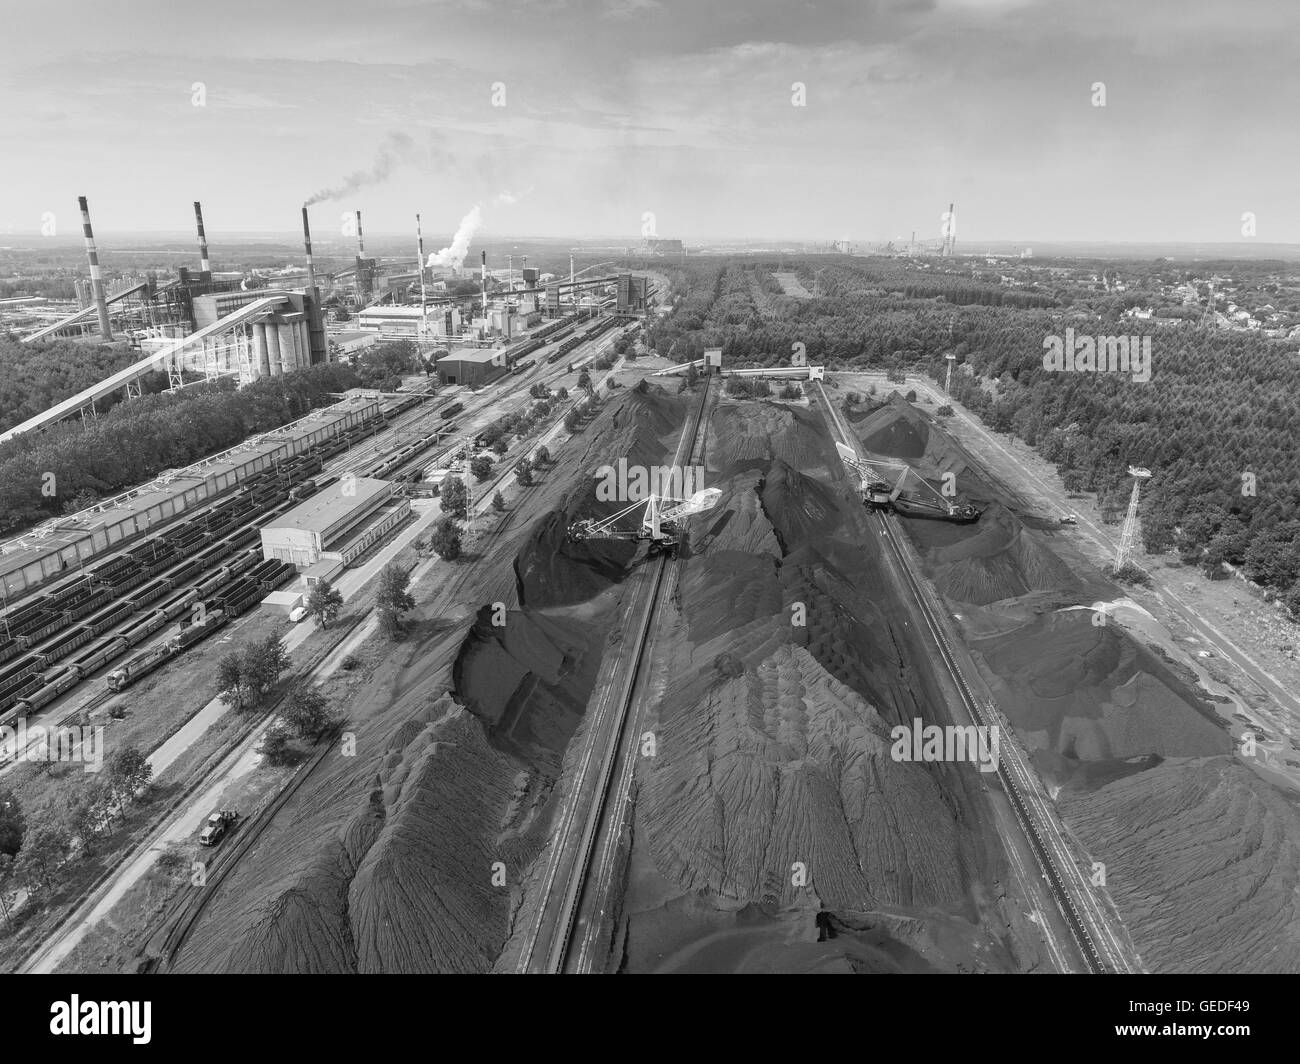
(1129, 573)
(276, 747)
(349, 662)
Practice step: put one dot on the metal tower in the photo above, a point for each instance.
(951, 356)
(1209, 319)
(1128, 536)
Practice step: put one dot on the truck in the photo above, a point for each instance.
(216, 826)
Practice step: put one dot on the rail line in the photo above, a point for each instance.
(163, 946)
(596, 890)
(1084, 940)
(550, 938)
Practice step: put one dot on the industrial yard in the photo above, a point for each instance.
(633, 487)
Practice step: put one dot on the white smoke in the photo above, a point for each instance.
(508, 198)
(454, 255)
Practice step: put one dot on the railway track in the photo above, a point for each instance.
(176, 926)
(1014, 777)
(591, 821)
(584, 954)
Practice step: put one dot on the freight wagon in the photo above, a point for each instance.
(96, 657)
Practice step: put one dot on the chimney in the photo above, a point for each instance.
(419, 251)
(484, 254)
(96, 278)
(361, 243)
(205, 267)
(306, 243)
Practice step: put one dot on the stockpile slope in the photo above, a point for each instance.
(781, 767)
(384, 861)
(1090, 692)
(641, 427)
(1202, 860)
(771, 758)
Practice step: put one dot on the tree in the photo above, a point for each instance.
(230, 680)
(12, 823)
(498, 502)
(911, 395)
(571, 421)
(392, 598)
(44, 848)
(6, 883)
(455, 497)
(276, 747)
(129, 772)
(524, 472)
(84, 814)
(692, 375)
(324, 603)
(306, 711)
(481, 467)
(263, 664)
(563, 393)
(500, 446)
(944, 411)
(445, 540)
(541, 456)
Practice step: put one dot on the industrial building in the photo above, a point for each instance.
(336, 525)
(633, 294)
(195, 328)
(470, 368)
(65, 544)
(199, 321)
(403, 322)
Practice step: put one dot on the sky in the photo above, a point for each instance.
(614, 118)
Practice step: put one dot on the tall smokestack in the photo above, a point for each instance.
(205, 267)
(570, 269)
(484, 254)
(306, 243)
(96, 278)
(419, 251)
(361, 243)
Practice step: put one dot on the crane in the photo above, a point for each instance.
(875, 474)
(660, 524)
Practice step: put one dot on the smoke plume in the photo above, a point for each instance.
(397, 148)
(454, 255)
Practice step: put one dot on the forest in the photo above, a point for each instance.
(138, 439)
(36, 376)
(1218, 424)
